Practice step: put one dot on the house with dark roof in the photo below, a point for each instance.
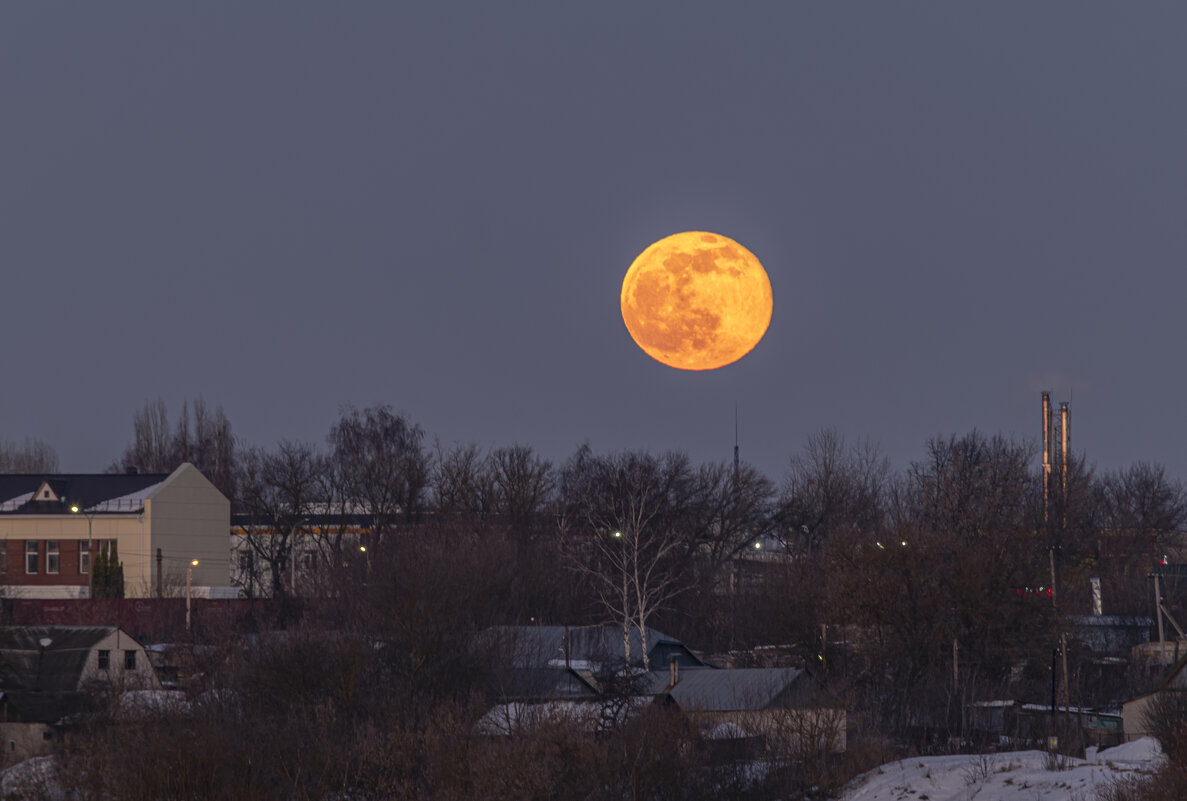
(158, 524)
(47, 674)
(784, 708)
(572, 674)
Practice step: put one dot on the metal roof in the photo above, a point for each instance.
(55, 666)
(712, 690)
(588, 646)
(85, 489)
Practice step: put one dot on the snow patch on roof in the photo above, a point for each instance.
(12, 504)
(126, 503)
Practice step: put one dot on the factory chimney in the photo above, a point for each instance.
(1046, 454)
(1065, 443)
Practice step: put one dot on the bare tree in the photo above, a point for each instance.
(151, 449)
(970, 484)
(280, 494)
(726, 511)
(461, 483)
(523, 484)
(1141, 499)
(202, 437)
(833, 487)
(31, 456)
(949, 571)
(383, 465)
(620, 526)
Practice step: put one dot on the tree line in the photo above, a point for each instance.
(952, 573)
(909, 592)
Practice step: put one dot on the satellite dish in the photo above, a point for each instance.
(45, 642)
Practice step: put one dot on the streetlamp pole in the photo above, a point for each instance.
(189, 583)
(90, 549)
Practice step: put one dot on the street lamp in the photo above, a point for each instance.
(189, 583)
(75, 509)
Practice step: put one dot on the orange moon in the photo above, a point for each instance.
(696, 301)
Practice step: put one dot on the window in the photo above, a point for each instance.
(309, 561)
(245, 561)
(104, 660)
(52, 556)
(31, 556)
(84, 557)
(129, 660)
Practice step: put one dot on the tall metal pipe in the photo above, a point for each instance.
(1046, 453)
(1065, 439)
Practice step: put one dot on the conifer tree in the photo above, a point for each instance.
(109, 573)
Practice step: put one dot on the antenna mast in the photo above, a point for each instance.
(735, 440)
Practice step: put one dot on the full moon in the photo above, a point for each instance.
(696, 301)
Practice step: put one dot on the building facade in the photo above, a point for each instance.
(160, 526)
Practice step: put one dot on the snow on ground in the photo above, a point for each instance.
(33, 778)
(1014, 776)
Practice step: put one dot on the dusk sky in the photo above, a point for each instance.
(291, 207)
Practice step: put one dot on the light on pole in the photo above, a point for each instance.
(75, 509)
(189, 583)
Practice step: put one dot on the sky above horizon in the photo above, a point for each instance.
(292, 208)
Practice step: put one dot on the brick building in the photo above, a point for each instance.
(51, 525)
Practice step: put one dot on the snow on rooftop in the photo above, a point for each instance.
(126, 503)
(576, 664)
(12, 504)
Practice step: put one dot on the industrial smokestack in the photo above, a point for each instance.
(1046, 453)
(1065, 442)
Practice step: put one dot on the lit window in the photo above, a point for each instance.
(84, 557)
(31, 556)
(129, 660)
(52, 556)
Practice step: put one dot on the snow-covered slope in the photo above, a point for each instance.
(1016, 776)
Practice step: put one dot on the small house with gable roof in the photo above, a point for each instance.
(47, 674)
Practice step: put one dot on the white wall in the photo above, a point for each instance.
(188, 519)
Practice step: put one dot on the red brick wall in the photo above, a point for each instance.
(147, 619)
(14, 570)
